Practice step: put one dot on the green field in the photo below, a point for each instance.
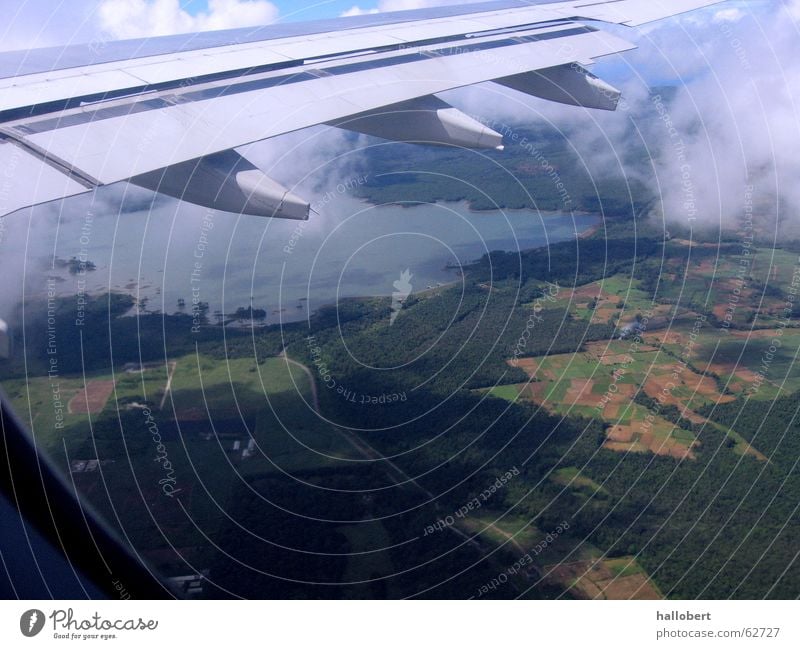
(507, 392)
(571, 477)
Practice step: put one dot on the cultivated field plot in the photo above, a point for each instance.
(603, 380)
(711, 280)
(51, 406)
(619, 578)
(496, 528)
(568, 563)
(608, 300)
(93, 397)
(580, 484)
(508, 392)
(41, 403)
(733, 359)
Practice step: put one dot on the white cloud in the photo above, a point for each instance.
(30, 24)
(402, 5)
(792, 8)
(728, 15)
(358, 11)
(144, 18)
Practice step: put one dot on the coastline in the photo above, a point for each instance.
(503, 229)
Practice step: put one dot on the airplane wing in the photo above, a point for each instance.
(168, 113)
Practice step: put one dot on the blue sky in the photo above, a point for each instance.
(319, 9)
(299, 9)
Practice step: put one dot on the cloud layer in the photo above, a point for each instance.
(29, 24)
(141, 18)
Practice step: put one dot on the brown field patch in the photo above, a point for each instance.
(739, 314)
(620, 433)
(533, 368)
(538, 393)
(679, 452)
(617, 402)
(741, 373)
(589, 292)
(595, 579)
(597, 349)
(602, 351)
(615, 359)
(649, 443)
(528, 365)
(755, 334)
(659, 440)
(666, 337)
(625, 392)
(93, 398)
(704, 386)
(603, 314)
(638, 587)
(625, 447)
(579, 392)
(656, 389)
(693, 244)
(666, 446)
(745, 374)
(692, 416)
(664, 310)
(706, 266)
(720, 311)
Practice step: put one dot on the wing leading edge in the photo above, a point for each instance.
(171, 122)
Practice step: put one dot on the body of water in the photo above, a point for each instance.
(179, 251)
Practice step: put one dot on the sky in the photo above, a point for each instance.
(39, 23)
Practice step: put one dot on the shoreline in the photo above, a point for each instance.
(469, 208)
(161, 297)
(586, 234)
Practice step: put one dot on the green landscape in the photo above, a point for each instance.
(651, 436)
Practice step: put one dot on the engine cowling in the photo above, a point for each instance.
(566, 84)
(226, 181)
(427, 120)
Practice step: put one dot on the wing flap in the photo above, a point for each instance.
(26, 180)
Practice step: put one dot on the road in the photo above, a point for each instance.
(170, 373)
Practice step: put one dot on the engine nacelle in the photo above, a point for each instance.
(5, 340)
(427, 120)
(567, 84)
(226, 181)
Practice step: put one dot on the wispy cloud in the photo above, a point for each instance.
(43, 23)
(400, 5)
(144, 18)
